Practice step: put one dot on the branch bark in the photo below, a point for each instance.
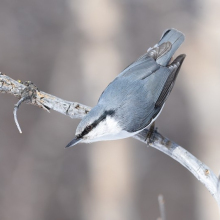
(76, 110)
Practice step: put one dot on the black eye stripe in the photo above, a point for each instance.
(95, 123)
(89, 128)
(102, 117)
(85, 131)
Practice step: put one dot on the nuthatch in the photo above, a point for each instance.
(136, 97)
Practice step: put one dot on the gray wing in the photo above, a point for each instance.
(174, 67)
(141, 68)
(137, 97)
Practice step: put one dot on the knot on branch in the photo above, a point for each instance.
(30, 92)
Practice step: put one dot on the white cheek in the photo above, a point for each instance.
(108, 126)
(112, 126)
(108, 129)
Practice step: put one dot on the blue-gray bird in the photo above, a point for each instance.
(136, 97)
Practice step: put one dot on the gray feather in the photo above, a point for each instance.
(172, 36)
(134, 111)
(168, 86)
(176, 38)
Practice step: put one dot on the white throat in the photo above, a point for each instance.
(107, 129)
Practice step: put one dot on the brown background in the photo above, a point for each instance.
(73, 49)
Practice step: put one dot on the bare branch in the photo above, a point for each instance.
(218, 184)
(15, 112)
(162, 207)
(44, 100)
(202, 172)
(75, 110)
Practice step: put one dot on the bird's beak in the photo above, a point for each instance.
(73, 142)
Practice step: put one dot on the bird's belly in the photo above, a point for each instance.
(120, 135)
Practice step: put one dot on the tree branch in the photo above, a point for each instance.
(75, 110)
(162, 207)
(42, 99)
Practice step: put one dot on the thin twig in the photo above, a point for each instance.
(48, 101)
(15, 112)
(218, 184)
(162, 207)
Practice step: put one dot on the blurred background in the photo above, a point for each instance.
(73, 49)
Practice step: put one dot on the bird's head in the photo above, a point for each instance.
(99, 124)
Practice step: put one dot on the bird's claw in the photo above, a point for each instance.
(150, 134)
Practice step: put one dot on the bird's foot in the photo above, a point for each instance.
(150, 134)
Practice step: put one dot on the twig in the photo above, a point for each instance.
(15, 112)
(44, 100)
(218, 184)
(75, 110)
(162, 207)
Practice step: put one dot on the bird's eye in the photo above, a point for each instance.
(89, 128)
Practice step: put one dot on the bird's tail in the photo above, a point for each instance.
(167, 46)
